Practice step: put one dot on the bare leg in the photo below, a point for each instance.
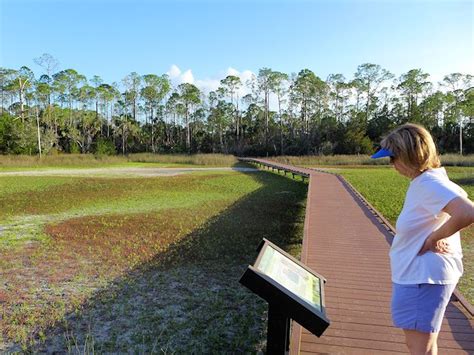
(421, 343)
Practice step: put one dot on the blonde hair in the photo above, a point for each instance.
(414, 146)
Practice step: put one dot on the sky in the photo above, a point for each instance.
(202, 41)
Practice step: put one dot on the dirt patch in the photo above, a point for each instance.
(41, 282)
(120, 172)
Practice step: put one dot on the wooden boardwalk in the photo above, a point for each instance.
(348, 243)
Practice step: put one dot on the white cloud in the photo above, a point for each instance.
(187, 77)
(206, 85)
(232, 71)
(247, 75)
(178, 77)
(174, 72)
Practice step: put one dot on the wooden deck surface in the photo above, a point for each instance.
(346, 243)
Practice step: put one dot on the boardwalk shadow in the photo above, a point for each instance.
(461, 328)
(188, 299)
(464, 181)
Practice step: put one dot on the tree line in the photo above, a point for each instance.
(291, 114)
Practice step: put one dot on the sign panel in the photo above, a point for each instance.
(290, 275)
(291, 288)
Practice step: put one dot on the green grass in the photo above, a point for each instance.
(19, 184)
(86, 196)
(385, 189)
(145, 265)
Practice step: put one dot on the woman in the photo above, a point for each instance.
(426, 254)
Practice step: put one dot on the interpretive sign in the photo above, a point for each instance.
(292, 290)
(290, 275)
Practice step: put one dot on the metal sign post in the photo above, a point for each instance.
(278, 331)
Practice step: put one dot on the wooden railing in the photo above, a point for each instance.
(294, 171)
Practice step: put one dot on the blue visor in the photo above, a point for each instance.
(382, 153)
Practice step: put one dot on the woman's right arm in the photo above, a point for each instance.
(461, 211)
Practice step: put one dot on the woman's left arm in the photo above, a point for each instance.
(461, 211)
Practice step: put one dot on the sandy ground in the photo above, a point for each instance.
(145, 172)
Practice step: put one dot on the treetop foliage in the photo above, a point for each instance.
(273, 113)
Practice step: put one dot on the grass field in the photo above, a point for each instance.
(144, 265)
(385, 189)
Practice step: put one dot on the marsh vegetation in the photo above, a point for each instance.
(139, 264)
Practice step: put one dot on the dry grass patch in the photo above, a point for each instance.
(90, 160)
(362, 159)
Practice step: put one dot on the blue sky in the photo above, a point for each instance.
(203, 39)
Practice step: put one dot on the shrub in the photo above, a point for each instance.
(105, 147)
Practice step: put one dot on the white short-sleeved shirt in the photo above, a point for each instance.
(422, 214)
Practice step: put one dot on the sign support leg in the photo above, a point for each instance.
(278, 332)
